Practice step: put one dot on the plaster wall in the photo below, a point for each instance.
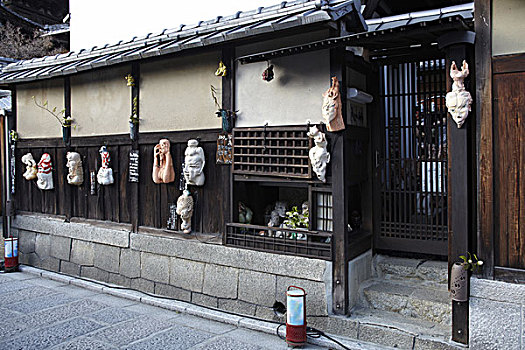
(507, 27)
(295, 94)
(497, 315)
(175, 93)
(34, 122)
(101, 102)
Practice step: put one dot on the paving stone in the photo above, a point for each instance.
(53, 335)
(69, 268)
(388, 296)
(8, 315)
(187, 274)
(155, 267)
(177, 337)
(94, 273)
(431, 304)
(82, 252)
(172, 292)
(204, 325)
(130, 331)
(429, 343)
(494, 325)
(107, 257)
(41, 303)
(266, 341)
(113, 301)
(237, 306)
(227, 343)
(129, 263)
(146, 308)
(204, 300)
(257, 288)
(143, 285)
(11, 286)
(397, 267)
(436, 271)
(24, 294)
(113, 315)
(60, 247)
(220, 281)
(385, 336)
(85, 343)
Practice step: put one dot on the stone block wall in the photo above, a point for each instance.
(497, 315)
(236, 280)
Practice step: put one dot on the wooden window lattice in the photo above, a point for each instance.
(275, 151)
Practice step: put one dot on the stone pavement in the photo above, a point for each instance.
(45, 310)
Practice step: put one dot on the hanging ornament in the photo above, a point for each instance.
(221, 71)
(130, 81)
(268, 75)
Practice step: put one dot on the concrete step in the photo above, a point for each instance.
(408, 298)
(428, 271)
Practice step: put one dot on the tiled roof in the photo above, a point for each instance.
(285, 15)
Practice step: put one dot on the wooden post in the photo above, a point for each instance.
(338, 151)
(228, 103)
(484, 141)
(134, 186)
(459, 155)
(69, 200)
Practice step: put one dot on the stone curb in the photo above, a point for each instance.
(195, 310)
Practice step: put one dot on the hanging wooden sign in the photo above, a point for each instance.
(224, 149)
(173, 219)
(134, 166)
(12, 166)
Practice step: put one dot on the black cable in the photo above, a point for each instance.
(316, 333)
(277, 330)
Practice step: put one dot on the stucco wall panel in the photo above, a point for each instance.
(101, 102)
(175, 93)
(507, 27)
(34, 122)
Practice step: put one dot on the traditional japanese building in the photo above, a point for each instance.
(368, 212)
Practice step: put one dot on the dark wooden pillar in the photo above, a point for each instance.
(68, 197)
(228, 103)
(339, 147)
(460, 155)
(134, 186)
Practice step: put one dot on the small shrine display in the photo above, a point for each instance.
(75, 175)
(31, 170)
(163, 171)
(105, 173)
(45, 173)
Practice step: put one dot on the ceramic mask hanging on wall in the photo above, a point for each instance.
(105, 173)
(30, 163)
(163, 171)
(45, 173)
(319, 156)
(194, 164)
(76, 173)
(459, 100)
(185, 210)
(332, 107)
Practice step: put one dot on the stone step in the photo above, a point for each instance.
(408, 298)
(428, 271)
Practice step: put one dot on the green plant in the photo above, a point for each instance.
(471, 262)
(64, 120)
(296, 219)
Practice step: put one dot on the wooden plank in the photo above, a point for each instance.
(508, 63)
(111, 203)
(148, 191)
(120, 173)
(483, 110)
(37, 194)
(509, 274)
(340, 296)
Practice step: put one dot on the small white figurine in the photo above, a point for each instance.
(459, 100)
(319, 156)
(45, 173)
(30, 163)
(105, 173)
(185, 210)
(76, 173)
(194, 164)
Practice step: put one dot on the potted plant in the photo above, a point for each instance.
(134, 121)
(299, 220)
(459, 276)
(65, 120)
(227, 116)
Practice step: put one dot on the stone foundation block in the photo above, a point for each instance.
(220, 281)
(187, 274)
(60, 247)
(315, 298)
(94, 273)
(26, 241)
(107, 257)
(204, 300)
(69, 268)
(129, 263)
(155, 267)
(143, 285)
(42, 245)
(237, 306)
(50, 264)
(119, 280)
(257, 287)
(172, 292)
(386, 336)
(82, 253)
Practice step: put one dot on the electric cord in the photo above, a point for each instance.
(310, 331)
